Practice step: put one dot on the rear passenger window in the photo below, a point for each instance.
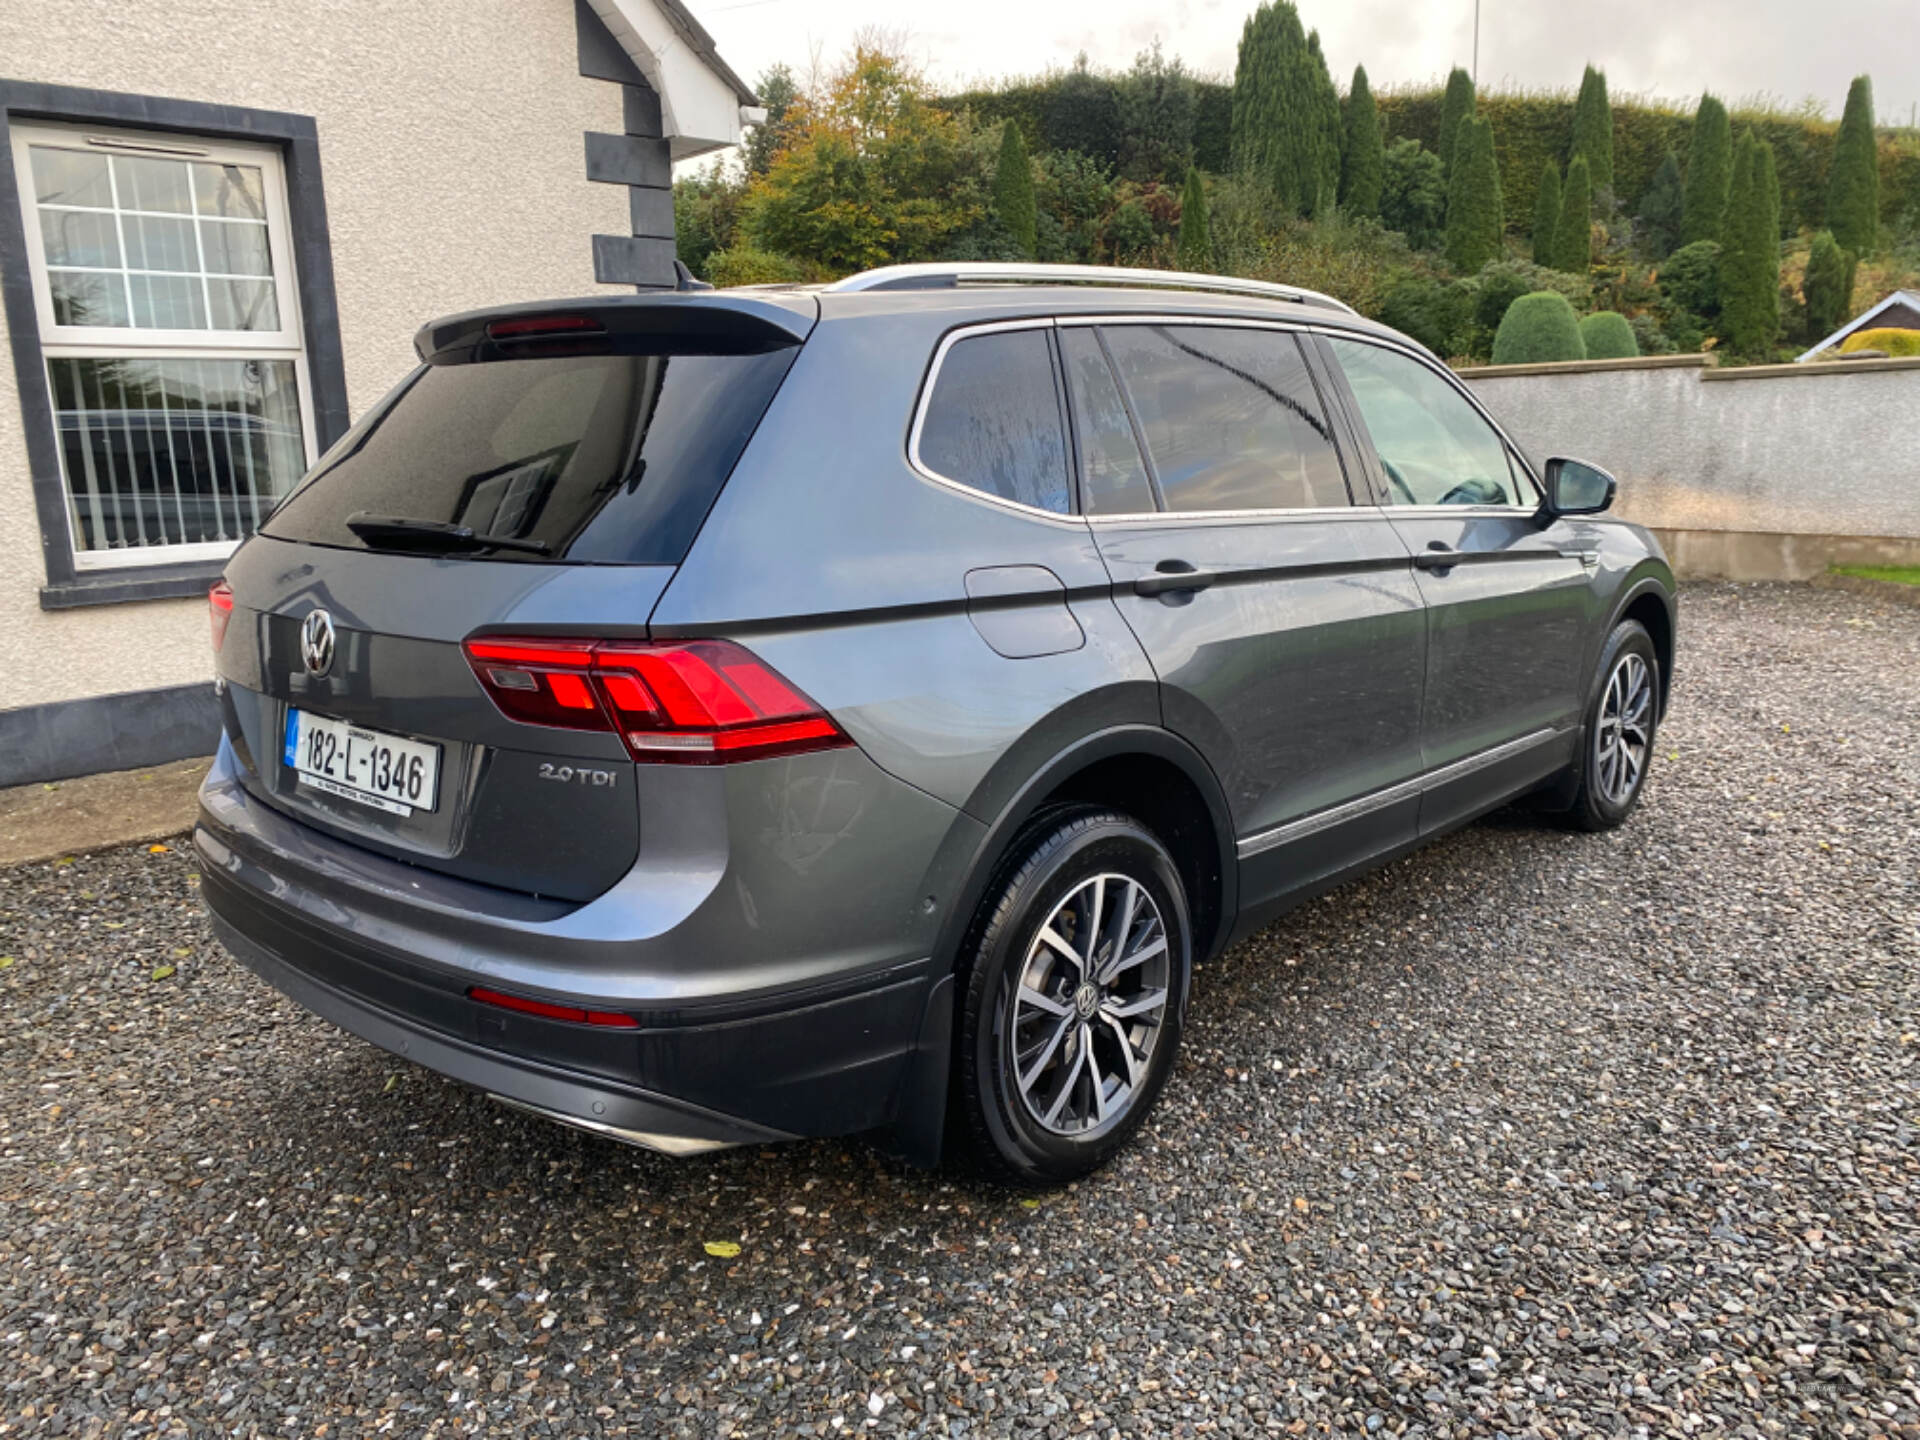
(993, 421)
(1230, 417)
(1113, 481)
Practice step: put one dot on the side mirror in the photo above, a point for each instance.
(1576, 488)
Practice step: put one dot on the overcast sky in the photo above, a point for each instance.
(1786, 49)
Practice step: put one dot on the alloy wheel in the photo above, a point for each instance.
(1626, 729)
(1088, 1005)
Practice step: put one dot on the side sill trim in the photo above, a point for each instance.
(1379, 799)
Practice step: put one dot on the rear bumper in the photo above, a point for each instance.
(388, 952)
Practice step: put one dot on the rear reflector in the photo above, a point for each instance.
(219, 612)
(546, 1011)
(698, 702)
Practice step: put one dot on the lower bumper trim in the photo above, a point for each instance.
(586, 1102)
(645, 1139)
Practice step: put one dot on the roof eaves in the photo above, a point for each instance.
(702, 45)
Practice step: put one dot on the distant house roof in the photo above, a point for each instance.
(1898, 300)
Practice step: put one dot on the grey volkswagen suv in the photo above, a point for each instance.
(714, 718)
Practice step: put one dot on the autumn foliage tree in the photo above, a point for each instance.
(872, 173)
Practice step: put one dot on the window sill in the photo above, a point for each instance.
(130, 586)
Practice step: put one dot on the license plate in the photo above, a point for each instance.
(370, 767)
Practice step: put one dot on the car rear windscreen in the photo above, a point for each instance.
(591, 459)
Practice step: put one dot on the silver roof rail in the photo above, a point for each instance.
(943, 276)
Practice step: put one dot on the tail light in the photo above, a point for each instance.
(698, 702)
(219, 612)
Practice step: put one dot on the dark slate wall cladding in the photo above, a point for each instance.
(639, 159)
(108, 732)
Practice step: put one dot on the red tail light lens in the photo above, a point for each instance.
(549, 1011)
(219, 612)
(535, 327)
(700, 702)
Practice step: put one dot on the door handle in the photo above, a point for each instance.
(1172, 577)
(1437, 557)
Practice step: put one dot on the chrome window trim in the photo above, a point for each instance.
(971, 492)
(1204, 517)
(1154, 317)
(1319, 820)
(1364, 337)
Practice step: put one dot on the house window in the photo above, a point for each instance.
(170, 332)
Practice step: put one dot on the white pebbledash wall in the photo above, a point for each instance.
(451, 150)
(1768, 472)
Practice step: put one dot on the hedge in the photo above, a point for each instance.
(1892, 341)
(1529, 129)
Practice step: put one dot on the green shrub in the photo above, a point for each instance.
(1894, 342)
(1608, 336)
(1538, 329)
(1648, 337)
(1413, 193)
(1709, 173)
(744, 265)
(1363, 156)
(1573, 239)
(1497, 286)
(1155, 105)
(1853, 191)
(1196, 247)
(1429, 310)
(1690, 280)
(1546, 215)
(1013, 203)
(1686, 331)
(1657, 227)
(1593, 130)
(1474, 220)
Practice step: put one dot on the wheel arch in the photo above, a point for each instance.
(1651, 602)
(1116, 766)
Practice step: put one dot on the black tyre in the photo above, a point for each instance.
(1074, 993)
(1617, 748)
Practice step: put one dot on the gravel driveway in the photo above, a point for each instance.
(1529, 1134)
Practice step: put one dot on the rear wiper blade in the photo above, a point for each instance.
(441, 535)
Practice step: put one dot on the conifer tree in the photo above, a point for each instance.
(1474, 221)
(1283, 133)
(1013, 190)
(1323, 130)
(1196, 245)
(1593, 130)
(1454, 109)
(1750, 254)
(1827, 287)
(1709, 173)
(1363, 157)
(1546, 216)
(1853, 188)
(1573, 238)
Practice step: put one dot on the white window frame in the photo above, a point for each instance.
(85, 342)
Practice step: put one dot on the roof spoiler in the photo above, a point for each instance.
(645, 324)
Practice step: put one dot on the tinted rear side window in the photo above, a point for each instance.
(1113, 480)
(606, 459)
(993, 421)
(1230, 416)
